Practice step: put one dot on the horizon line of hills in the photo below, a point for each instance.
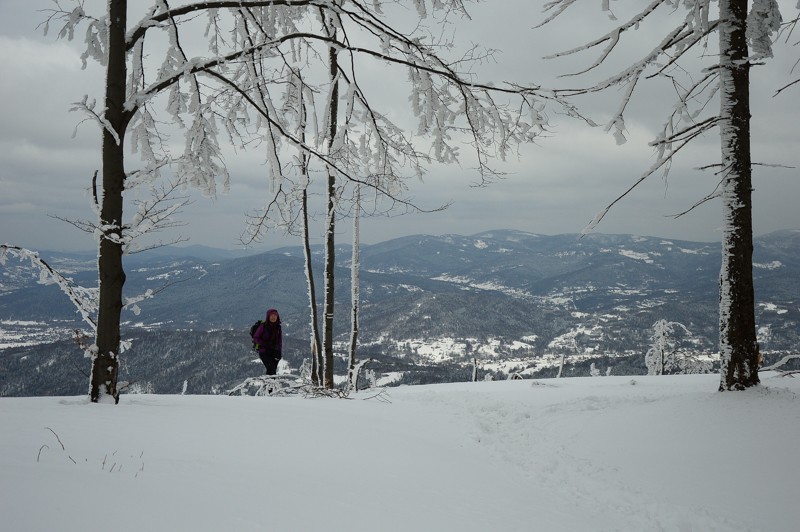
(511, 299)
(214, 252)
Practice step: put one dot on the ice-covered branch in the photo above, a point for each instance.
(661, 162)
(685, 122)
(764, 20)
(776, 366)
(611, 37)
(156, 19)
(84, 299)
(787, 29)
(88, 108)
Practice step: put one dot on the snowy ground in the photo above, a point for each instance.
(583, 454)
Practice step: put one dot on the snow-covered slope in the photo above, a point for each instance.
(605, 453)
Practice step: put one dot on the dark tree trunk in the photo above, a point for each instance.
(105, 362)
(330, 257)
(738, 347)
(330, 262)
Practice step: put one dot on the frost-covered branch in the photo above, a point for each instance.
(782, 362)
(662, 61)
(272, 40)
(84, 299)
(788, 30)
(682, 138)
(87, 107)
(154, 20)
(284, 385)
(693, 28)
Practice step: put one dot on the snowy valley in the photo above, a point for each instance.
(432, 306)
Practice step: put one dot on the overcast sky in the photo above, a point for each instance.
(556, 186)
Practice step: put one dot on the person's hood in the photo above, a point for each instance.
(271, 312)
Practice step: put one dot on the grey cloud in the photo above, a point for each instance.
(556, 186)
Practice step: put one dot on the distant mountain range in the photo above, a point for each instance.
(512, 299)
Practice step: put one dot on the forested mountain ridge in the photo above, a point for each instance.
(498, 296)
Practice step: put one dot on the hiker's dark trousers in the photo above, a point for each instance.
(270, 361)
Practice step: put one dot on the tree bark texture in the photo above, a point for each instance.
(738, 347)
(330, 263)
(105, 362)
(355, 289)
(330, 256)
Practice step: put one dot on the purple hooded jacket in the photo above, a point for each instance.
(268, 335)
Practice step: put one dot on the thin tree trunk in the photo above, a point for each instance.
(330, 260)
(738, 347)
(354, 284)
(105, 362)
(316, 348)
(330, 257)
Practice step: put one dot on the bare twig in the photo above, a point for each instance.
(44, 446)
(59, 439)
(381, 396)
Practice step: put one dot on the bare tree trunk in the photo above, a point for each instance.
(355, 296)
(330, 260)
(316, 348)
(330, 257)
(738, 347)
(105, 363)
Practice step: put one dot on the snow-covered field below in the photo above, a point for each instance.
(666, 453)
(21, 333)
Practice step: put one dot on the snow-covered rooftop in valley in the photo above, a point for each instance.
(665, 453)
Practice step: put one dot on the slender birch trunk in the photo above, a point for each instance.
(355, 292)
(316, 348)
(738, 347)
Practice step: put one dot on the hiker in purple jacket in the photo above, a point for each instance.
(270, 341)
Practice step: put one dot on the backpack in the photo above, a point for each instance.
(253, 330)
